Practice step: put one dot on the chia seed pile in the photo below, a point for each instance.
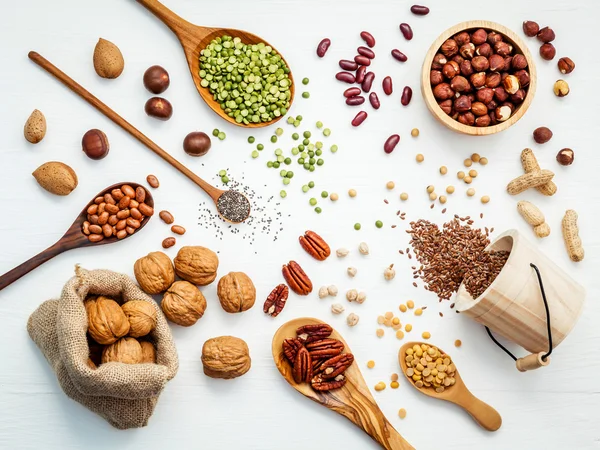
(454, 254)
(233, 206)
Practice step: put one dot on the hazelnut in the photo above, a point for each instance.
(566, 65)
(519, 62)
(483, 121)
(462, 104)
(485, 95)
(196, 143)
(438, 61)
(530, 28)
(565, 157)
(446, 106)
(502, 48)
(460, 84)
(106, 320)
(154, 272)
(479, 37)
(510, 105)
(225, 357)
(436, 77)
(159, 108)
(547, 51)
(196, 264)
(467, 50)
(471, 97)
(467, 119)
(518, 96)
(494, 37)
(496, 63)
(546, 35)
(183, 304)
(561, 88)
(484, 49)
(507, 63)
(236, 292)
(542, 135)
(480, 63)
(511, 84)
(523, 77)
(95, 144)
(156, 79)
(502, 113)
(493, 80)
(493, 120)
(478, 79)
(450, 69)
(466, 68)
(141, 316)
(491, 106)
(458, 59)
(449, 48)
(126, 350)
(479, 109)
(462, 38)
(443, 91)
(500, 94)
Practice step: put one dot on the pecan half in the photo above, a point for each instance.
(336, 366)
(276, 300)
(315, 246)
(290, 348)
(324, 348)
(320, 384)
(317, 365)
(296, 278)
(302, 370)
(310, 333)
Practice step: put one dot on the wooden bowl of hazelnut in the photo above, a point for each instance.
(478, 78)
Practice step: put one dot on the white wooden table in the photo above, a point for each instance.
(556, 407)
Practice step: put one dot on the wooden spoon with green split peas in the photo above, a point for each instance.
(193, 39)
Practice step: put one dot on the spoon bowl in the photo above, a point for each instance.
(353, 400)
(484, 414)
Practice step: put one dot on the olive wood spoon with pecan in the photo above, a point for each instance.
(73, 238)
(353, 400)
(484, 414)
(193, 39)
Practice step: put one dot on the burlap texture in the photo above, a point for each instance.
(124, 394)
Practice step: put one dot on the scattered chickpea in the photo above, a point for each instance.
(418, 312)
(475, 157)
(402, 413)
(485, 199)
(473, 173)
(457, 343)
(420, 158)
(470, 192)
(390, 185)
(380, 320)
(430, 189)
(400, 334)
(389, 315)
(404, 196)
(450, 189)
(432, 196)
(371, 364)
(410, 304)
(483, 161)
(395, 321)
(460, 174)
(443, 199)
(380, 332)
(414, 132)
(394, 385)
(380, 386)
(426, 335)
(443, 170)
(334, 197)
(402, 307)
(394, 377)
(352, 193)
(408, 328)
(468, 162)
(468, 179)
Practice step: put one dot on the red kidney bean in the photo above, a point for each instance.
(366, 52)
(419, 10)
(362, 60)
(352, 92)
(355, 101)
(399, 55)
(348, 65)
(368, 38)
(323, 47)
(374, 100)
(346, 77)
(368, 81)
(407, 31)
(406, 95)
(391, 142)
(360, 118)
(360, 74)
(387, 85)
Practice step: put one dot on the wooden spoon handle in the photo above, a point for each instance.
(10, 277)
(168, 17)
(484, 414)
(117, 119)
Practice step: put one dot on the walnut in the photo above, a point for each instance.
(225, 357)
(236, 292)
(106, 320)
(198, 265)
(154, 272)
(126, 350)
(141, 316)
(183, 304)
(148, 352)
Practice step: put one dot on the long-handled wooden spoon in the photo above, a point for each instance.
(353, 400)
(73, 238)
(484, 414)
(195, 38)
(212, 191)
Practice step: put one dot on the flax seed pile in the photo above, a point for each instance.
(453, 254)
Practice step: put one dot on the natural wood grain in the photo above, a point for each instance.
(212, 191)
(353, 400)
(484, 414)
(193, 39)
(73, 238)
(427, 91)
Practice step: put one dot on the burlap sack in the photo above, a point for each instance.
(124, 394)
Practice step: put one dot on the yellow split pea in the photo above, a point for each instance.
(371, 364)
(410, 304)
(402, 413)
(402, 307)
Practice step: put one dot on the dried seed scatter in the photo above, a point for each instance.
(429, 368)
(453, 254)
(233, 206)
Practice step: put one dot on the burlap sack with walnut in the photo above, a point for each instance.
(124, 394)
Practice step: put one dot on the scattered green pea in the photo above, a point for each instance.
(306, 95)
(287, 160)
(318, 210)
(269, 164)
(334, 148)
(279, 131)
(295, 151)
(282, 194)
(319, 145)
(282, 173)
(254, 154)
(306, 142)
(276, 164)
(305, 188)
(311, 168)
(306, 166)
(301, 147)
(312, 201)
(319, 124)
(311, 184)
(319, 152)
(225, 179)
(290, 174)
(273, 139)
(290, 120)
(286, 181)
(357, 226)
(295, 136)
(215, 132)
(307, 134)
(320, 162)
(296, 123)
(324, 194)
(305, 81)
(311, 153)
(278, 151)
(304, 155)
(312, 160)
(221, 136)
(379, 224)
(280, 158)
(299, 117)
(326, 132)
(251, 139)
(300, 160)
(260, 147)
(310, 146)
(222, 173)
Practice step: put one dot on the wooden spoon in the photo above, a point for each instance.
(353, 400)
(212, 191)
(73, 238)
(484, 414)
(193, 39)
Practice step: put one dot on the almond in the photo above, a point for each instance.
(56, 177)
(108, 60)
(35, 127)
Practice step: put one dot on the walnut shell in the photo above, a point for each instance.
(183, 304)
(148, 352)
(154, 272)
(225, 357)
(126, 350)
(236, 292)
(198, 265)
(141, 316)
(106, 320)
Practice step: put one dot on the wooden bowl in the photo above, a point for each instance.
(427, 91)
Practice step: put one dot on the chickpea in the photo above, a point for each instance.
(410, 304)
(483, 161)
(470, 192)
(443, 199)
(334, 197)
(371, 364)
(404, 196)
(450, 189)
(352, 193)
(420, 158)
(402, 307)
(472, 173)
(468, 179)
(443, 170)
(468, 162)
(460, 175)
(432, 196)
(390, 185)
(485, 199)
(475, 157)
(430, 189)
(414, 132)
